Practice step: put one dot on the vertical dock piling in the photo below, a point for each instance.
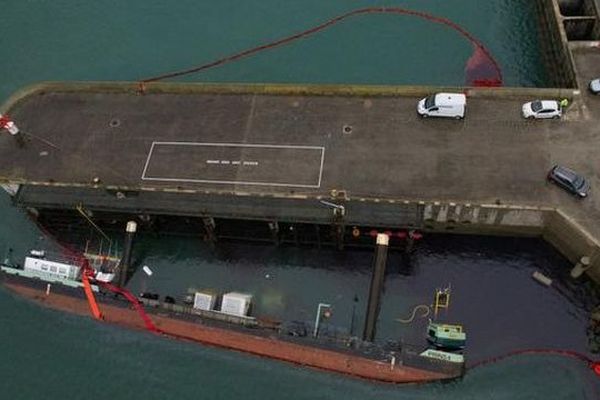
(130, 230)
(274, 229)
(376, 287)
(209, 231)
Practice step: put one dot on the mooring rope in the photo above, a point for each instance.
(84, 214)
(426, 309)
(496, 80)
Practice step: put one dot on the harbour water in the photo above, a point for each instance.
(492, 292)
(112, 40)
(52, 355)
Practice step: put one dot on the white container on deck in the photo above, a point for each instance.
(204, 301)
(104, 276)
(236, 304)
(51, 268)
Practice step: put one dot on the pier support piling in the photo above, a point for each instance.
(318, 235)
(209, 230)
(130, 230)
(338, 233)
(274, 229)
(376, 287)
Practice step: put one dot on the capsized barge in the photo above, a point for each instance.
(255, 336)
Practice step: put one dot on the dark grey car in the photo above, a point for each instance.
(569, 180)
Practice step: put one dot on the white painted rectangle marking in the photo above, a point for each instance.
(223, 163)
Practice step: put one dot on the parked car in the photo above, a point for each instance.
(540, 109)
(594, 86)
(569, 180)
(449, 105)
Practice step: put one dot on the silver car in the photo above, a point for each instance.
(542, 109)
(594, 86)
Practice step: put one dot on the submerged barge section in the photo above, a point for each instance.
(408, 367)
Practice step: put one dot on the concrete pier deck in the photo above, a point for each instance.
(256, 153)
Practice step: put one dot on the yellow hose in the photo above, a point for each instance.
(426, 312)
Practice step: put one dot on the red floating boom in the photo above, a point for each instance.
(481, 69)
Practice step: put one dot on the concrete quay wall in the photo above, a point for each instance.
(270, 89)
(337, 210)
(553, 225)
(572, 240)
(580, 19)
(555, 46)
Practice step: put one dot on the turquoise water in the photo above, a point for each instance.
(51, 355)
(116, 40)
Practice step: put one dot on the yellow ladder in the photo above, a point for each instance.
(442, 300)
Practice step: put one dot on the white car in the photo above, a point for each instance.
(540, 109)
(449, 105)
(595, 86)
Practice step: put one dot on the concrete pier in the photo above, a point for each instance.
(209, 153)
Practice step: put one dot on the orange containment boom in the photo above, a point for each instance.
(134, 303)
(87, 288)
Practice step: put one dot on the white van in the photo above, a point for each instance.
(449, 105)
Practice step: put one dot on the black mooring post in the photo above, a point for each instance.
(209, 231)
(127, 246)
(353, 318)
(381, 250)
(274, 229)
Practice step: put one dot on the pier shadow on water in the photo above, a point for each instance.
(493, 293)
(46, 346)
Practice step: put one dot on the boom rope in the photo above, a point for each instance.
(496, 81)
(593, 365)
(87, 272)
(135, 303)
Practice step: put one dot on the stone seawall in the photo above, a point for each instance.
(555, 47)
(553, 225)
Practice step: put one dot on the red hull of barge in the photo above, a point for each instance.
(262, 346)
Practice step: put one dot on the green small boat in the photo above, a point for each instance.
(445, 336)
